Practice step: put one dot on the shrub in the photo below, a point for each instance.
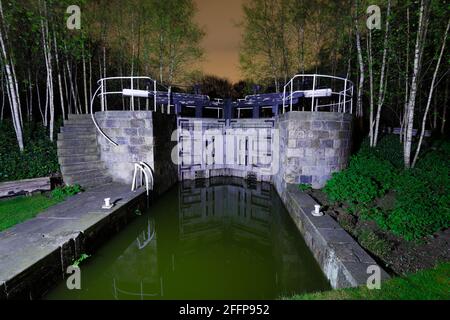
(422, 195)
(418, 211)
(60, 194)
(350, 187)
(380, 171)
(39, 158)
(304, 187)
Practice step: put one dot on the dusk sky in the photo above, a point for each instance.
(221, 42)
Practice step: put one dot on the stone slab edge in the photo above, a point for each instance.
(343, 261)
(38, 278)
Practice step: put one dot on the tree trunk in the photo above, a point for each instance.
(39, 100)
(371, 115)
(46, 40)
(61, 95)
(2, 86)
(359, 103)
(11, 83)
(413, 91)
(430, 95)
(382, 93)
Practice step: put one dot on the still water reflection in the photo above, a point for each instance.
(209, 239)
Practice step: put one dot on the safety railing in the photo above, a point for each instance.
(143, 173)
(132, 91)
(338, 91)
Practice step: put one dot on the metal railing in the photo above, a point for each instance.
(133, 91)
(142, 173)
(340, 92)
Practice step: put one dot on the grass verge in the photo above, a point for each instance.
(22, 208)
(431, 284)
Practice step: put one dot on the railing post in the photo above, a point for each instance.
(314, 93)
(168, 99)
(284, 97)
(154, 95)
(351, 102)
(292, 92)
(132, 96)
(345, 95)
(102, 100)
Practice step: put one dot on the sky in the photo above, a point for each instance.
(221, 42)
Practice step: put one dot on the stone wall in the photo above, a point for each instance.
(313, 145)
(303, 147)
(141, 136)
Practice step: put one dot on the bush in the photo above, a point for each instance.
(366, 178)
(352, 188)
(422, 194)
(304, 187)
(39, 159)
(60, 194)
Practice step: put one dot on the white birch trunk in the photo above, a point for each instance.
(381, 93)
(12, 88)
(413, 89)
(430, 95)
(61, 95)
(359, 103)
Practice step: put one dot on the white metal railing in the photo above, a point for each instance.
(131, 92)
(334, 92)
(142, 173)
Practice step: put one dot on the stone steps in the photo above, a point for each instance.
(77, 167)
(79, 154)
(70, 150)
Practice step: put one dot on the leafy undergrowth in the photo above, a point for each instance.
(431, 284)
(39, 159)
(421, 203)
(19, 209)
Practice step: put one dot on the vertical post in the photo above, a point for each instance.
(132, 96)
(339, 104)
(168, 99)
(351, 102)
(292, 92)
(345, 95)
(154, 95)
(313, 93)
(284, 98)
(102, 99)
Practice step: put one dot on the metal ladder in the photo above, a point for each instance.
(142, 173)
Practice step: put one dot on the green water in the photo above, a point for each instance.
(203, 240)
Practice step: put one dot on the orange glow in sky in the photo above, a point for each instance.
(221, 42)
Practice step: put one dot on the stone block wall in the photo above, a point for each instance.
(313, 145)
(141, 136)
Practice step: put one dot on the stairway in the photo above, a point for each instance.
(79, 154)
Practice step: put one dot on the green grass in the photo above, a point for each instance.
(19, 209)
(432, 284)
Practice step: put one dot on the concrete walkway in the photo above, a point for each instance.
(32, 252)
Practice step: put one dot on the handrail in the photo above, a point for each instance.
(95, 121)
(346, 93)
(147, 171)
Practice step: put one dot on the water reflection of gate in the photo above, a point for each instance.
(239, 210)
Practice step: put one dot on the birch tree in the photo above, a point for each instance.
(11, 80)
(418, 54)
(430, 94)
(382, 85)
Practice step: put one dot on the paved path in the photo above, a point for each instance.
(27, 243)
